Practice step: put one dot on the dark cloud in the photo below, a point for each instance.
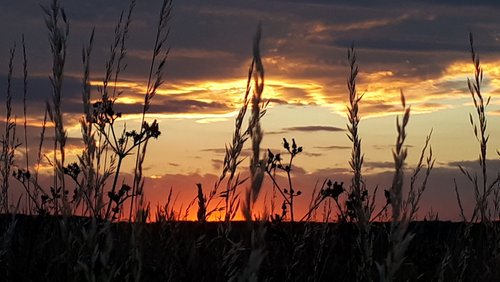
(305, 39)
(493, 166)
(432, 106)
(378, 165)
(175, 106)
(332, 172)
(244, 152)
(309, 154)
(312, 128)
(378, 107)
(39, 91)
(294, 94)
(217, 164)
(215, 150)
(205, 46)
(280, 132)
(489, 3)
(334, 147)
(390, 3)
(277, 101)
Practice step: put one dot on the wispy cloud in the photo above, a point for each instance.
(308, 128)
(334, 147)
(185, 53)
(311, 128)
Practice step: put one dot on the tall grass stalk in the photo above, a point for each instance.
(116, 65)
(485, 188)
(104, 117)
(482, 189)
(58, 35)
(411, 204)
(25, 125)
(8, 139)
(155, 80)
(99, 164)
(232, 161)
(257, 165)
(479, 130)
(36, 184)
(403, 210)
(357, 204)
(398, 240)
(89, 187)
(399, 155)
(24, 176)
(105, 165)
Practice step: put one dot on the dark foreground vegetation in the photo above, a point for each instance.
(80, 249)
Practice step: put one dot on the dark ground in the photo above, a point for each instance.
(80, 249)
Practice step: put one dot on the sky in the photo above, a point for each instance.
(418, 47)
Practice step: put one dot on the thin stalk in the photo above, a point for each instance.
(58, 34)
(40, 154)
(162, 33)
(481, 133)
(291, 191)
(115, 181)
(25, 91)
(7, 150)
(88, 155)
(255, 131)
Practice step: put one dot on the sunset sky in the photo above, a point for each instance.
(419, 47)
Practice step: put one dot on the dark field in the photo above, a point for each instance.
(71, 249)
